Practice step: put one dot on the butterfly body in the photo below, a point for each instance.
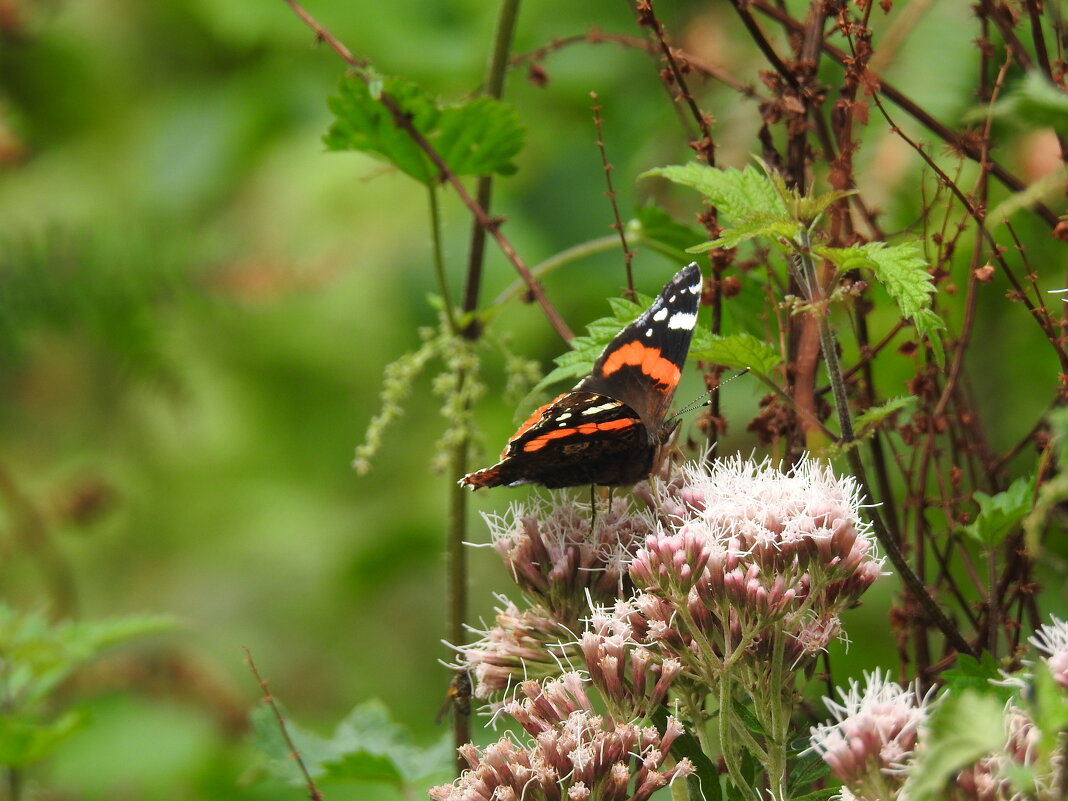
(609, 429)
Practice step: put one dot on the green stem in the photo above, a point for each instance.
(564, 257)
(845, 422)
(727, 743)
(456, 558)
(438, 252)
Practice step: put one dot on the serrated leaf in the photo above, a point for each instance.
(478, 137)
(1033, 103)
(366, 746)
(871, 418)
(664, 235)
(1048, 708)
(809, 208)
(928, 325)
(25, 740)
(970, 674)
(736, 194)
(902, 269)
(775, 227)
(1001, 513)
(740, 351)
(846, 259)
(962, 729)
(40, 654)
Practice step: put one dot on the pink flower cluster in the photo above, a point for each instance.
(752, 555)
(575, 755)
(873, 735)
(556, 552)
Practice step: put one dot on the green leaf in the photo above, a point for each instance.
(774, 226)
(970, 674)
(962, 729)
(736, 194)
(928, 325)
(39, 654)
(869, 421)
(1055, 490)
(1049, 708)
(846, 259)
(809, 208)
(664, 235)
(739, 351)
(478, 137)
(902, 269)
(366, 746)
(24, 740)
(1001, 513)
(1033, 103)
(584, 351)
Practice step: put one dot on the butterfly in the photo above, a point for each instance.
(611, 428)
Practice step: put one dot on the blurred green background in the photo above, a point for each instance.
(198, 303)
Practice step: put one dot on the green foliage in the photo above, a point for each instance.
(738, 351)
(659, 232)
(757, 224)
(969, 673)
(963, 728)
(736, 194)
(1032, 103)
(1055, 490)
(1001, 513)
(366, 746)
(477, 137)
(868, 422)
(35, 657)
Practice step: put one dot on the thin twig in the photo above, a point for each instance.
(628, 254)
(313, 791)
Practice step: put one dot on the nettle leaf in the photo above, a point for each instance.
(962, 729)
(928, 325)
(24, 739)
(584, 351)
(774, 226)
(39, 654)
(846, 259)
(968, 673)
(664, 235)
(809, 208)
(478, 137)
(1033, 103)
(1001, 513)
(736, 194)
(902, 269)
(739, 351)
(366, 746)
(869, 421)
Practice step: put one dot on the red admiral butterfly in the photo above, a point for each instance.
(610, 428)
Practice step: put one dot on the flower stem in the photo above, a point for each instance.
(438, 252)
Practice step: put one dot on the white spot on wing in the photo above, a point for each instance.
(648, 332)
(563, 416)
(604, 407)
(683, 321)
(661, 315)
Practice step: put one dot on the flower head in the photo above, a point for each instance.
(873, 735)
(1052, 641)
(578, 757)
(523, 644)
(557, 551)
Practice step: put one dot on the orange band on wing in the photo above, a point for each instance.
(535, 417)
(649, 360)
(586, 428)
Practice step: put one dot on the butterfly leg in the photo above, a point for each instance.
(593, 509)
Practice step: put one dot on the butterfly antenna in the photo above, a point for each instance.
(706, 399)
